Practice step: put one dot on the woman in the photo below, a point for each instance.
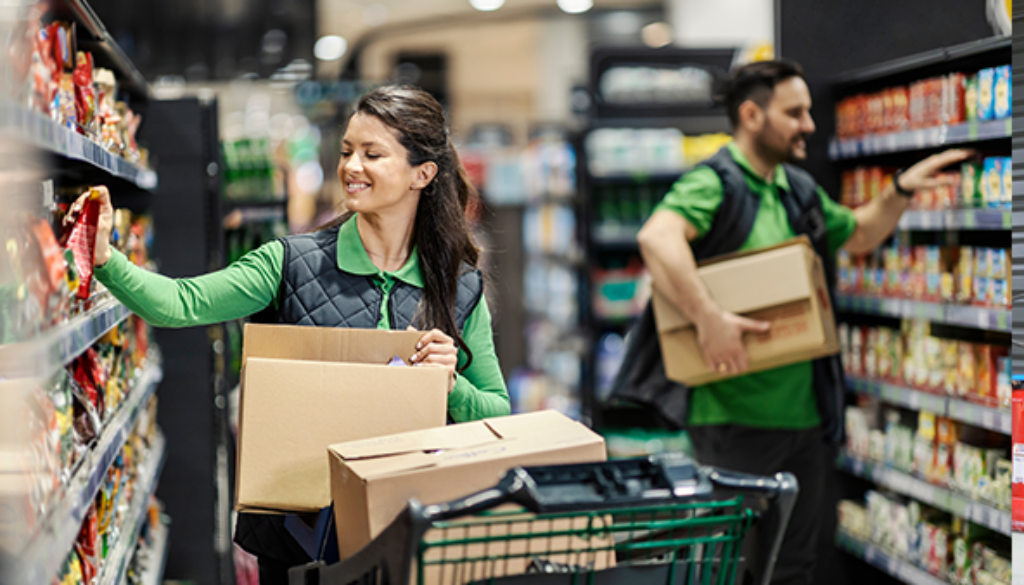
(401, 257)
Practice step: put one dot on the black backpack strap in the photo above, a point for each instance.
(806, 216)
(735, 216)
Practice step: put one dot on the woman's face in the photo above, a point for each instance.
(374, 168)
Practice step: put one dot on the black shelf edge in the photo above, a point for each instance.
(912, 62)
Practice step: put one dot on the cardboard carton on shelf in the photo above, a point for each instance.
(372, 480)
(784, 285)
(304, 388)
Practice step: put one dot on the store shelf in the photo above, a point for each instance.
(106, 52)
(841, 149)
(957, 219)
(156, 555)
(944, 499)
(993, 419)
(616, 235)
(35, 129)
(637, 177)
(49, 546)
(960, 315)
(116, 563)
(232, 204)
(58, 346)
(936, 57)
(886, 562)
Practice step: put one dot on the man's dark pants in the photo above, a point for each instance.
(767, 452)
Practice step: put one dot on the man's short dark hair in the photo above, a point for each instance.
(755, 81)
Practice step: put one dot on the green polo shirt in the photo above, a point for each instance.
(782, 398)
(251, 284)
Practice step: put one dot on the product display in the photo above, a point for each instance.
(250, 173)
(947, 547)
(932, 451)
(65, 85)
(946, 100)
(953, 275)
(912, 357)
(985, 184)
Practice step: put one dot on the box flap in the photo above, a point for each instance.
(449, 437)
(746, 283)
(327, 344)
(547, 423)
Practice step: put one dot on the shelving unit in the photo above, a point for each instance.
(49, 545)
(984, 227)
(116, 563)
(886, 562)
(61, 157)
(943, 499)
(610, 234)
(156, 555)
(57, 347)
(988, 319)
(993, 419)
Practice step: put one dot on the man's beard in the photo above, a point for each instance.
(787, 154)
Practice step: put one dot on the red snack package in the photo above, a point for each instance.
(85, 95)
(82, 241)
(53, 257)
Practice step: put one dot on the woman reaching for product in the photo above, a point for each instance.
(401, 256)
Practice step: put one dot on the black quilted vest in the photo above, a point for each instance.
(315, 292)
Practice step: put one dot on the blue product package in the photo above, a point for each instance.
(992, 181)
(1001, 98)
(986, 91)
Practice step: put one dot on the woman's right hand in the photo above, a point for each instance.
(104, 225)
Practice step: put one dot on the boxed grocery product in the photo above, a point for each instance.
(371, 480)
(971, 194)
(953, 99)
(992, 181)
(986, 94)
(304, 388)
(971, 98)
(1006, 192)
(791, 294)
(1001, 96)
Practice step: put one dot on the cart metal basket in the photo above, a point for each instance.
(661, 519)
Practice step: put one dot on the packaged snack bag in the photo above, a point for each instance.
(971, 98)
(82, 241)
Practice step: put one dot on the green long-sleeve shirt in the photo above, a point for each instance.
(251, 284)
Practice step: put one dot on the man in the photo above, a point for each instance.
(773, 420)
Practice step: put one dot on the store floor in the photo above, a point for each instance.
(1018, 557)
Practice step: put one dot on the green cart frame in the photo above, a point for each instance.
(663, 520)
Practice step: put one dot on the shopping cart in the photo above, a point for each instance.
(661, 519)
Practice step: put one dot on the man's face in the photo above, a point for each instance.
(787, 121)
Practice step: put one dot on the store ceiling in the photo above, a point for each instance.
(205, 40)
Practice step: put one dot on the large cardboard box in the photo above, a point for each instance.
(784, 285)
(372, 480)
(304, 388)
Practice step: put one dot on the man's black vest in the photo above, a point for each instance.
(642, 376)
(315, 292)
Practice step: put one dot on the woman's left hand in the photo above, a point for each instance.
(435, 349)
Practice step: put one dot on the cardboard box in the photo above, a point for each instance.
(372, 480)
(784, 285)
(304, 388)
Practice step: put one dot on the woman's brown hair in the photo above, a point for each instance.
(440, 231)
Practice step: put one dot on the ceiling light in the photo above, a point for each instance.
(486, 5)
(575, 6)
(330, 48)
